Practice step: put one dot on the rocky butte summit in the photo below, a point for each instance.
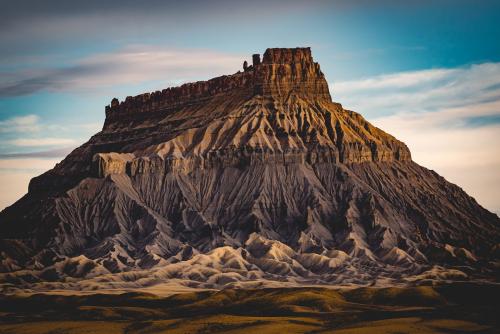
(252, 179)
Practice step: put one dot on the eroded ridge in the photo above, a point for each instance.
(252, 179)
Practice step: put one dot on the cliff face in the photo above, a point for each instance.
(252, 177)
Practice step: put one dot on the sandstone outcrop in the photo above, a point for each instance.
(252, 177)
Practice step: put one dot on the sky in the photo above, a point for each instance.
(427, 72)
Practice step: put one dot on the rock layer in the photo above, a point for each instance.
(252, 177)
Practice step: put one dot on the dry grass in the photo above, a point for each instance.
(464, 309)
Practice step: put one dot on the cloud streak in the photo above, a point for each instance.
(28, 123)
(38, 142)
(131, 65)
(55, 153)
(422, 91)
(450, 119)
(30, 136)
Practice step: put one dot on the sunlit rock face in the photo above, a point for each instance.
(252, 178)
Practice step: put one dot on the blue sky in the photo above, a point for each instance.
(426, 71)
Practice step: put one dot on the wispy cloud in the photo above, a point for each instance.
(421, 91)
(29, 123)
(397, 80)
(450, 119)
(54, 153)
(22, 134)
(131, 65)
(37, 142)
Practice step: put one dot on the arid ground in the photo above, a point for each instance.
(457, 308)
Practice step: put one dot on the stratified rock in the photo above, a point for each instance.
(256, 174)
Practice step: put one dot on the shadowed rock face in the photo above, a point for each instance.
(255, 176)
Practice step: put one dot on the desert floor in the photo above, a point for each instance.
(452, 308)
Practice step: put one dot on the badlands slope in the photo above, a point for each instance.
(247, 180)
